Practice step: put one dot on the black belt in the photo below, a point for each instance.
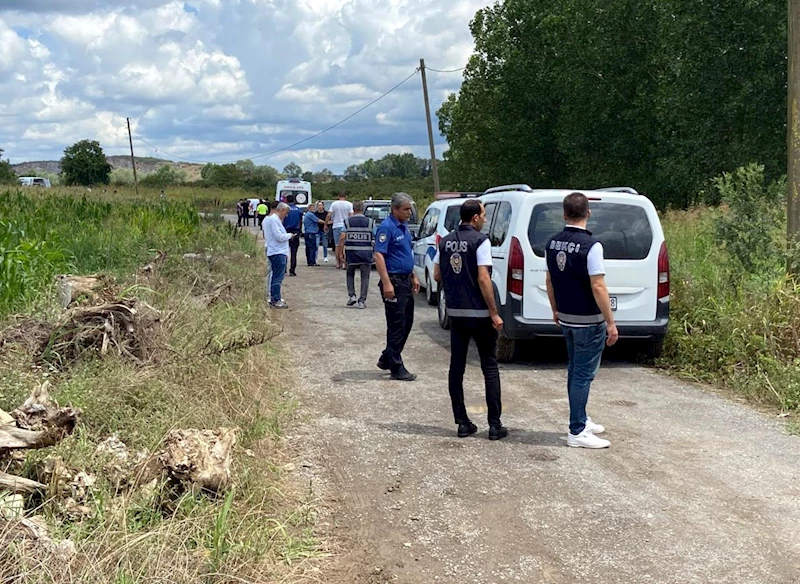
(399, 276)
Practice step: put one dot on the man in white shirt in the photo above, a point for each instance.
(340, 210)
(276, 246)
(581, 306)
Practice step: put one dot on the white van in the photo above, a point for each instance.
(34, 181)
(294, 186)
(520, 220)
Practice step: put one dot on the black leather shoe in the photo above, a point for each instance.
(383, 364)
(292, 274)
(403, 374)
(497, 432)
(466, 429)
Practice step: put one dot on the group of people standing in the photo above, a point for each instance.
(463, 266)
(352, 234)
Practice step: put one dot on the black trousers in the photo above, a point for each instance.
(399, 320)
(485, 335)
(294, 245)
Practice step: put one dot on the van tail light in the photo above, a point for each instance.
(516, 268)
(663, 272)
(436, 240)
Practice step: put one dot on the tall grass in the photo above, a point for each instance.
(729, 326)
(45, 233)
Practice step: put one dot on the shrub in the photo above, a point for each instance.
(752, 230)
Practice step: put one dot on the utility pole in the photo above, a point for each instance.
(793, 129)
(434, 166)
(133, 159)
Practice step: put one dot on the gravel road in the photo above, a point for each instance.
(695, 488)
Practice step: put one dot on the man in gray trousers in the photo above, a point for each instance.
(358, 240)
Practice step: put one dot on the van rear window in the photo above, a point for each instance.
(624, 230)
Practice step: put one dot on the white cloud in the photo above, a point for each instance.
(219, 81)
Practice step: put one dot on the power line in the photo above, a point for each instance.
(446, 70)
(290, 146)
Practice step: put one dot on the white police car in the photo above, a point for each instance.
(520, 220)
(441, 217)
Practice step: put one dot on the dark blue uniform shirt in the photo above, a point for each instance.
(393, 240)
(293, 219)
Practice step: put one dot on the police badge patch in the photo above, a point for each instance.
(382, 238)
(456, 263)
(561, 260)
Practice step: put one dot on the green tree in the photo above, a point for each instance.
(323, 176)
(293, 170)
(7, 175)
(221, 175)
(85, 163)
(660, 95)
(354, 172)
(164, 176)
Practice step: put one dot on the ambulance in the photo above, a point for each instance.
(294, 186)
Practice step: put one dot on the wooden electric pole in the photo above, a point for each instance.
(434, 166)
(793, 128)
(133, 159)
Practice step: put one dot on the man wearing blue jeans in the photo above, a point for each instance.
(579, 300)
(276, 242)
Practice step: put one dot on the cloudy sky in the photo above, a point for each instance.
(222, 80)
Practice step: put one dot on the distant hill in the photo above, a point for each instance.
(144, 165)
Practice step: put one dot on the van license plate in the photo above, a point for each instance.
(613, 302)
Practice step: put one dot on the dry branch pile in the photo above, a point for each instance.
(117, 327)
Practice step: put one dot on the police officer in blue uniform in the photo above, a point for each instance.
(395, 263)
(581, 307)
(463, 265)
(292, 225)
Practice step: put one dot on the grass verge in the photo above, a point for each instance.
(202, 374)
(730, 328)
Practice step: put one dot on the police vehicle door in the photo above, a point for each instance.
(424, 243)
(499, 268)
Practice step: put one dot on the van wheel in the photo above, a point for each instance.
(430, 295)
(506, 348)
(444, 320)
(654, 349)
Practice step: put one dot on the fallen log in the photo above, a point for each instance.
(94, 288)
(38, 422)
(15, 484)
(12, 438)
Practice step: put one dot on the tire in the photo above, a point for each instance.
(444, 320)
(430, 296)
(654, 349)
(506, 348)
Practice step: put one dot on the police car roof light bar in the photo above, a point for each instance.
(504, 188)
(629, 190)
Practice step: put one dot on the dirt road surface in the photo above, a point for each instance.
(695, 488)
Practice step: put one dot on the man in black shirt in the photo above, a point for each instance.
(463, 265)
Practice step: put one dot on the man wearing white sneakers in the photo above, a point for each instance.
(579, 300)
